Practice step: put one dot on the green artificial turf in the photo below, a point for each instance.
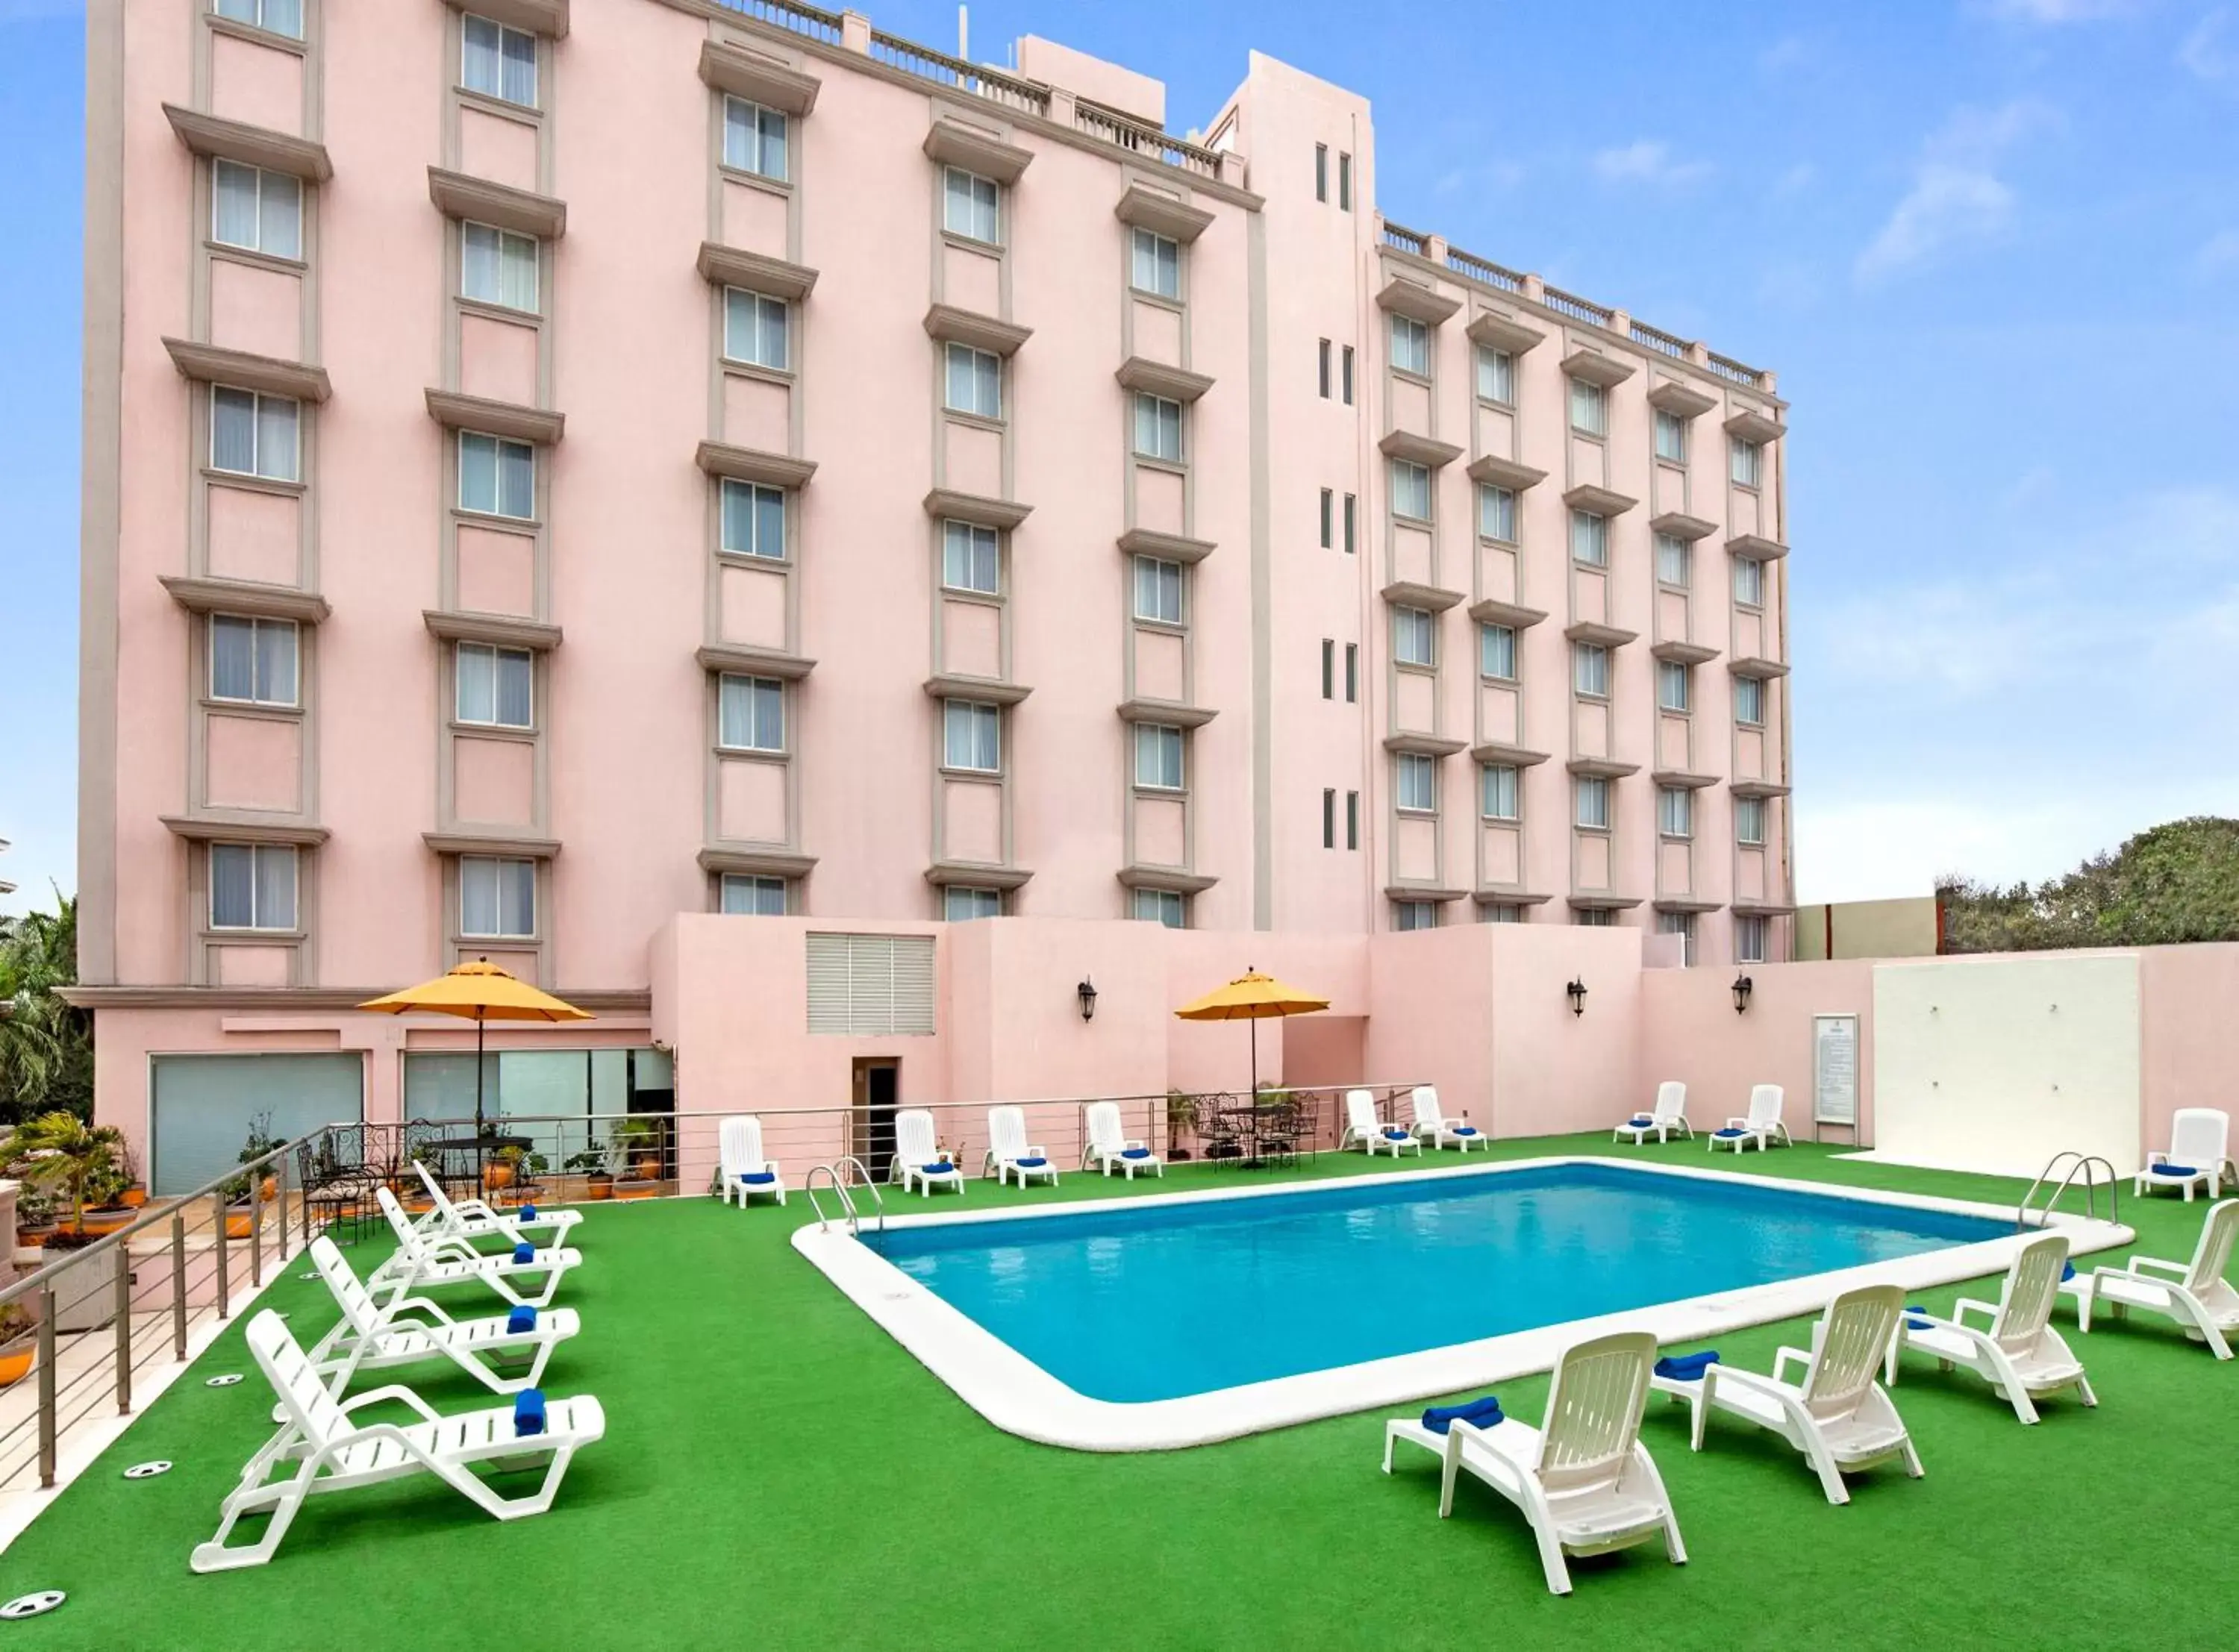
(776, 1472)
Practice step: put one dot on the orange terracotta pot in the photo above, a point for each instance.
(497, 1176)
(132, 1197)
(269, 1189)
(15, 1367)
(642, 1191)
(603, 1189)
(237, 1225)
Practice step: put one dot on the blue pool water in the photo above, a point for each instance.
(1165, 1300)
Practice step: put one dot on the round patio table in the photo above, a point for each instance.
(474, 1149)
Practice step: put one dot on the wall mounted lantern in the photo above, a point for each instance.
(1742, 987)
(1577, 989)
(1086, 990)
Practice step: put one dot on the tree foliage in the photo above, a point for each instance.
(2174, 883)
(46, 1047)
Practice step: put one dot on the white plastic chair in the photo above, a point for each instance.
(1107, 1144)
(917, 1157)
(1363, 1129)
(1839, 1416)
(2199, 1154)
(744, 1172)
(1008, 1152)
(321, 1447)
(2198, 1296)
(421, 1259)
(1669, 1114)
(2021, 1355)
(476, 1219)
(407, 1331)
(1433, 1127)
(1761, 1127)
(1582, 1478)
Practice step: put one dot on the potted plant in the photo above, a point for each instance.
(244, 1192)
(591, 1166)
(640, 1148)
(503, 1168)
(1181, 1119)
(35, 1212)
(19, 1344)
(60, 1151)
(134, 1194)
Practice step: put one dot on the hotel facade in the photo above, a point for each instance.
(552, 471)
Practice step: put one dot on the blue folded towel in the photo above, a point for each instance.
(522, 1319)
(758, 1178)
(1463, 1130)
(1916, 1317)
(528, 1213)
(2167, 1169)
(1686, 1367)
(529, 1411)
(1033, 1164)
(1730, 1132)
(2066, 1271)
(944, 1168)
(1134, 1152)
(1479, 1413)
(1396, 1135)
(1641, 1122)
(524, 1251)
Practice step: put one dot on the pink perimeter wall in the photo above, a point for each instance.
(1689, 1032)
(2188, 1034)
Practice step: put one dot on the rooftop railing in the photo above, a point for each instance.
(1727, 368)
(1012, 91)
(1404, 240)
(812, 21)
(1483, 269)
(1656, 339)
(1578, 310)
(1110, 126)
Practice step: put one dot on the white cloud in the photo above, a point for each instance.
(1957, 199)
(2054, 12)
(1649, 161)
(2209, 51)
(2219, 253)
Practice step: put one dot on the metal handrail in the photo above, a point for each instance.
(2080, 1166)
(870, 1181)
(846, 1204)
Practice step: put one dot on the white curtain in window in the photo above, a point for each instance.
(757, 330)
(753, 714)
(1496, 374)
(1158, 428)
(1496, 512)
(233, 886)
(233, 203)
(1674, 812)
(1590, 665)
(1157, 756)
(1158, 590)
(1673, 561)
(1496, 652)
(754, 138)
(970, 735)
(757, 896)
(1589, 539)
(1672, 684)
(1158, 265)
(1592, 802)
(969, 558)
(233, 431)
(275, 438)
(498, 267)
(754, 518)
(1499, 803)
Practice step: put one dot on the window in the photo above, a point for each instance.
(1413, 637)
(1594, 917)
(975, 382)
(1498, 793)
(497, 267)
(1351, 672)
(1496, 512)
(1414, 914)
(1329, 511)
(1161, 906)
(754, 897)
(1418, 782)
(1158, 428)
(1411, 490)
(1588, 409)
(497, 898)
(1352, 820)
(757, 330)
(1590, 669)
(1749, 581)
(1329, 817)
(1158, 264)
(252, 435)
(1748, 461)
(1329, 668)
(499, 62)
(1674, 561)
(1671, 437)
(1321, 171)
(1674, 812)
(275, 16)
(754, 138)
(1683, 925)
(252, 660)
(1673, 685)
(753, 519)
(1500, 911)
(1496, 376)
(1496, 652)
(1352, 511)
(1344, 183)
(871, 986)
(1589, 539)
(1159, 756)
(252, 886)
(1322, 369)
(960, 905)
(1749, 821)
(751, 714)
(496, 477)
(969, 560)
(1749, 702)
(1158, 590)
(262, 211)
(1345, 363)
(1410, 347)
(969, 206)
(1749, 939)
(496, 687)
(972, 735)
(1590, 796)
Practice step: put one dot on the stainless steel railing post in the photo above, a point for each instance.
(46, 1357)
(179, 1287)
(218, 1229)
(124, 1329)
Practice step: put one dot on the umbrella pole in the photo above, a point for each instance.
(481, 1026)
(1254, 1024)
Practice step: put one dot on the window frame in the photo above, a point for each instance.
(972, 717)
(1752, 938)
(766, 306)
(257, 9)
(1596, 787)
(978, 895)
(1158, 408)
(1487, 631)
(1409, 916)
(1672, 551)
(500, 660)
(1321, 173)
(1669, 671)
(1166, 748)
(1749, 822)
(754, 495)
(497, 863)
(1414, 629)
(1345, 374)
(500, 446)
(1324, 365)
(258, 853)
(1675, 814)
(1581, 654)
(264, 180)
(1409, 469)
(755, 167)
(258, 403)
(1589, 539)
(1593, 400)
(974, 538)
(1499, 784)
(1405, 335)
(1676, 427)
(506, 35)
(1683, 925)
(1161, 901)
(258, 625)
(758, 693)
(1329, 519)
(973, 360)
(1166, 257)
(1164, 575)
(1498, 504)
(1502, 364)
(505, 240)
(974, 206)
(760, 886)
(1744, 455)
(1753, 597)
(1424, 770)
(1741, 718)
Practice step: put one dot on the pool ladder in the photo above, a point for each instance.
(2077, 1164)
(835, 1175)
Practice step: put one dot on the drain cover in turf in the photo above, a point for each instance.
(226, 1381)
(31, 1605)
(148, 1470)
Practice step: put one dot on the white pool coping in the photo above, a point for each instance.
(1019, 1396)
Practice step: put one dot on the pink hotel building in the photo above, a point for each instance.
(551, 470)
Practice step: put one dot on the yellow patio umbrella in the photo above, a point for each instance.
(1255, 997)
(480, 992)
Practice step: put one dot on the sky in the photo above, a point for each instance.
(1991, 247)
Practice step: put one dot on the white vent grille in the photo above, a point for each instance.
(868, 986)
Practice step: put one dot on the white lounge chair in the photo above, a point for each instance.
(1008, 1152)
(1433, 1127)
(447, 1218)
(1364, 1130)
(1839, 1416)
(918, 1160)
(1108, 1144)
(2021, 1355)
(1669, 1114)
(2197, 1296)
(323, 1447)
(744, 1172)
(1762, 1126)
(407, 1329)
(1582, 1478)
(421, 1259)
(2199, 1155)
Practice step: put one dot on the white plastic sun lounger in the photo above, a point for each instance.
(323, 1447)
(1669, 1114)
(744, 1172)
(1109, 1145)
(475, 1219)
(407, 1329)
(2196, 1295)
(1762, 1126)
(2199, 1155)
(1582, 1478)
(917, 1159)
(1364, 1130)
(448, 1260)
(1839, 1416)
(2021, 1355)
(1432, 1125)
(1008, 1152)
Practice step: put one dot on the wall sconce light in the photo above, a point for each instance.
(1742, 987)
(1087, 993)
(1577, 989)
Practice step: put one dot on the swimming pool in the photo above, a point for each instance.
(1143, 1321)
